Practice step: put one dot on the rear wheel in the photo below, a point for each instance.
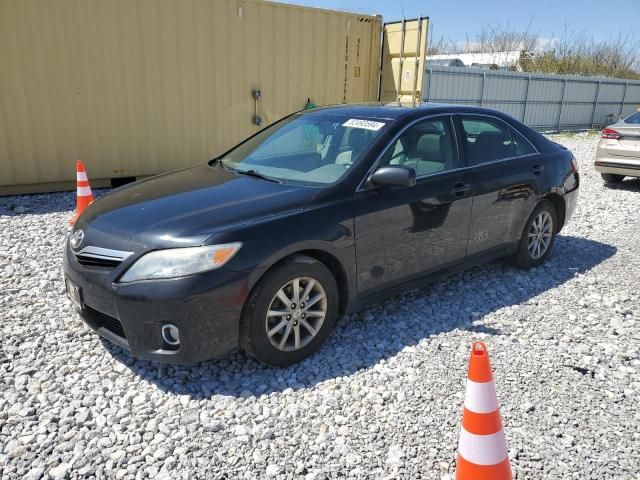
(538, 237)
(290, 313)
(612, 177)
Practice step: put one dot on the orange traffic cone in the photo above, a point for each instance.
(482, 452)
(84, 194)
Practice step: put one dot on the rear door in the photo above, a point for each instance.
(506, 172)
(405, 232)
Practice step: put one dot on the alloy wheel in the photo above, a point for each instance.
(296, 314)
(540, 235)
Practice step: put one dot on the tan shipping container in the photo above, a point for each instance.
(404, 47)
(139, 87)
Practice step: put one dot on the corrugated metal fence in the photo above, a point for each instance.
(544, 102)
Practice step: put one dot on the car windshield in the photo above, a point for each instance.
(635, 118)
(307, 149)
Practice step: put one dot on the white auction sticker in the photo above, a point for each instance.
(366, 124)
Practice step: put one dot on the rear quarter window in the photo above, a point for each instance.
(521, 144)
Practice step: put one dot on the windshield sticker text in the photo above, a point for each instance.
(366, 124)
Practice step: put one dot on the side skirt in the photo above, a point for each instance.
(419, 282)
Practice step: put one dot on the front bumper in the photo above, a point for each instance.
(206, 308)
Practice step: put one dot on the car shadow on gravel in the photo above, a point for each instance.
(363, 339)
(630, 184)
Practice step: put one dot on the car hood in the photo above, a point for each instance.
(186, 207)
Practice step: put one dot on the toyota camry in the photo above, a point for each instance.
(262, 248)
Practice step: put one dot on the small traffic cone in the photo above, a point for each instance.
(84, 194)
(482, 451)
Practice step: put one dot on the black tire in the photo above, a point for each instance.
(253, 332)
(523, 258)
(612, 177)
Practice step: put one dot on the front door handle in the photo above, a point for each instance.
(537, 169)
(459, 189)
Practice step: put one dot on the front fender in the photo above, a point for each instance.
(327, 229)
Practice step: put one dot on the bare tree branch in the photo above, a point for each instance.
(572, 52)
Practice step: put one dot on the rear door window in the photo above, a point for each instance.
(486, 140)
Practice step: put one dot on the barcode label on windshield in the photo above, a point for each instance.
(366, 124)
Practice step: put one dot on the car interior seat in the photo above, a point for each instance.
(431, 152)
(399, 154)
(357, 141)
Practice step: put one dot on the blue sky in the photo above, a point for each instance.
(456, 19)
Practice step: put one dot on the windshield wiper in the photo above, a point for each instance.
(253, 173)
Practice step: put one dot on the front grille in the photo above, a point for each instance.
(97, 262)
(101, 257)
(105, 321)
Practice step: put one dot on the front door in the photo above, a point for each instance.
(405, 232)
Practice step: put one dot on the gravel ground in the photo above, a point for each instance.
(382, 399)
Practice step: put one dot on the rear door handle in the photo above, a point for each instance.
(460, 188)
(537, 169)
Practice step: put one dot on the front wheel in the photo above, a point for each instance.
(538, 237)
(290, 313)
(612, 177)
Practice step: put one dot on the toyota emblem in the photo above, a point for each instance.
(76, 239)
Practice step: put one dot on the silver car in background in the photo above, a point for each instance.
(618, 153)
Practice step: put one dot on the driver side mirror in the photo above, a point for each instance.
(394, 175)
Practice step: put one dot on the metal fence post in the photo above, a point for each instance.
(595, 104)
(564, 91)
(429, 85)
(624, 98)
(484, 81)
(526, 100)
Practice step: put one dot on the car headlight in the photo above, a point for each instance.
(179, 262)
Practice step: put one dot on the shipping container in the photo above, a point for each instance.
(404, 47)
(139, 87)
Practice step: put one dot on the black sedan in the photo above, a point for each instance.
(314, 216)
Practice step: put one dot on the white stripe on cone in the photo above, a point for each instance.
(481, 397)
(483, 449)
(81, 176)
(84, 191)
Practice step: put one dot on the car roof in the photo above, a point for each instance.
(394, 111)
